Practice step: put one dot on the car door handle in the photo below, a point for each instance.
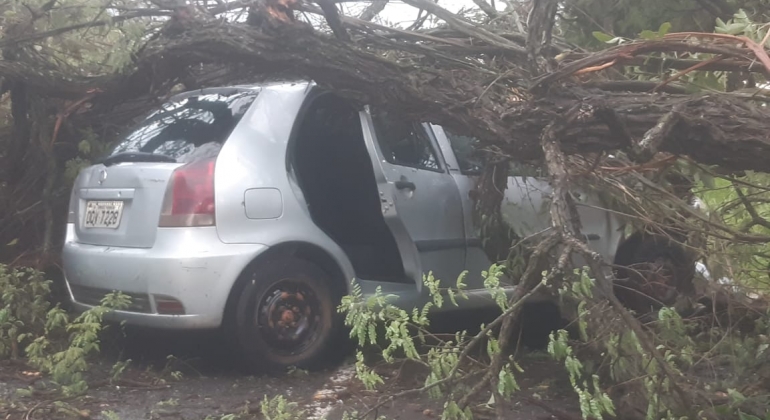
(405, 185)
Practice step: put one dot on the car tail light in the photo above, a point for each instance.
(168, 306)
(72, 207)
(189, 199)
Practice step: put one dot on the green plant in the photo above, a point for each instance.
(294, 371)
(110, 415)
(364, 316)
(171, 368)
(354, 415)
(118, 369)
(24, 295)
(594, 403)
(63, 350)
(171, 402)
(279, 408)
(405, 332)
(53, 343)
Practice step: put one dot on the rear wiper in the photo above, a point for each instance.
(135, 157)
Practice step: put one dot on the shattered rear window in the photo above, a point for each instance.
(190, 128)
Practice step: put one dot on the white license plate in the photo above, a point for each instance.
(103, 214)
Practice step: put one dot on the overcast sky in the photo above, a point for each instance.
(397, 13)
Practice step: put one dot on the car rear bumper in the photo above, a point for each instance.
(187, 266)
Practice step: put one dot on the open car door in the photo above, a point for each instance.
(420, 200)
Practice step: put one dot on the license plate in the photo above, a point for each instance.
(103, 214)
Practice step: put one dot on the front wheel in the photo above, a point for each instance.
(286, 317)
(656, 273)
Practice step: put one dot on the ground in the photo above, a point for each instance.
(211, 385)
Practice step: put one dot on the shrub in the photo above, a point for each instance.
(24, 303)
(52, 341)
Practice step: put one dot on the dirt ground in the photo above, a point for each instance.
(188, 376)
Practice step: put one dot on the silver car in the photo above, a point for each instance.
(251, 208)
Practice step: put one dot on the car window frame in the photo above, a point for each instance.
(460, 168)
(442, 167)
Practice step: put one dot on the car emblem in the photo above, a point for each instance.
(102, 176)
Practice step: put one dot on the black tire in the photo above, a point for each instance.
(659, 271)
(286, 316)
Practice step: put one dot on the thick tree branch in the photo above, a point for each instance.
(486, 8)
(647, 147)
(563, 216)
(373, 9)
(461, 25)
(333, 19)
(626, 54)
(716, 129)
(719, 130)
(539, 27)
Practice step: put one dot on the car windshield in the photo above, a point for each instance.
(190, 128)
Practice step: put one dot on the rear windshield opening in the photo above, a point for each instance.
(191, 128)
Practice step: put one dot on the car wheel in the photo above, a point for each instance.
(658, 272)
(286, 317)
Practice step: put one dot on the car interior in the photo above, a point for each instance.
(335, 172)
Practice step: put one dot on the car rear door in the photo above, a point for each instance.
(526, 202)
(118, 202)
(420, 200)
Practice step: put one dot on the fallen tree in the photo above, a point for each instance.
(526, 96)
(444, 78)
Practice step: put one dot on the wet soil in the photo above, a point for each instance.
(190, 376)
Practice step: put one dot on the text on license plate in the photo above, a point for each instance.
(103, 214)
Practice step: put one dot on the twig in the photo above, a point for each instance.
(129, 383)
(757, 49)
(596, 68)
(500, 77)
(509, 316)
(756, 219)
(407, 393)
(687, 71)
(32, 410)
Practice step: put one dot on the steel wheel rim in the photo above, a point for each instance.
(659, 278)
(288, 316)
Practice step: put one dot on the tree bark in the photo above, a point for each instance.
(712, 129)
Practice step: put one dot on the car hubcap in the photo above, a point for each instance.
(659, 279)
(289, 317)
